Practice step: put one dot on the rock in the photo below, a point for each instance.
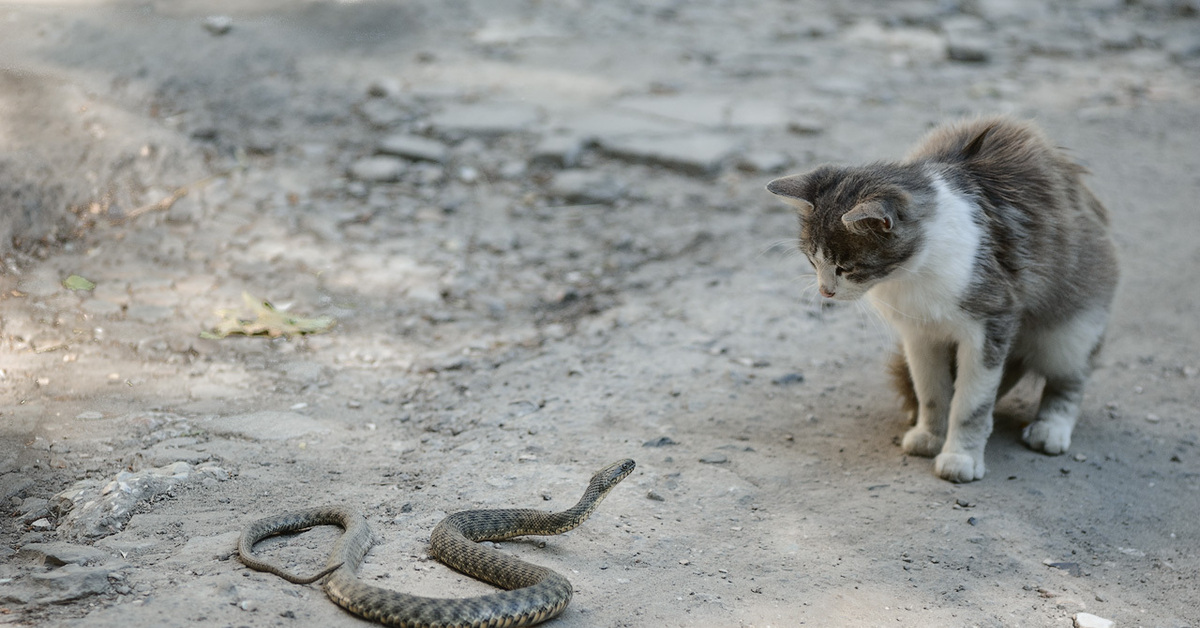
(42, 525)
(806, 125)
(558, 151)
(1088, 620)
(414, 147)
(380, 169)
(485, 118)
(585, 186)
(70, 582)
(967, 49)
(661, 441)
(33, 508)
(218, 24)
(714, 458)
(92, 509)
(56, 554)
(788, 379)
(694, 153)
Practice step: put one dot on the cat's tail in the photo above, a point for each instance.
(902, 380)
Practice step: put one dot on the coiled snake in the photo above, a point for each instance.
(532, 594)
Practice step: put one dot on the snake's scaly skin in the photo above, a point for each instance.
(533, 594)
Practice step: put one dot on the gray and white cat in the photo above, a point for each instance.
(991, 258)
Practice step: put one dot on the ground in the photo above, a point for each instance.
(542, 232)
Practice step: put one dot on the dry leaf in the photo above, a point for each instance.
(267, 321)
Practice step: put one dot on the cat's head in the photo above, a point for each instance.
(857, 225)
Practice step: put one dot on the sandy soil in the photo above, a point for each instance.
(582, 266)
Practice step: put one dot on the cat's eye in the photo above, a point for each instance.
(842, 270)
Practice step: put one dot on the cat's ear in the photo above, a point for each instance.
(792, 191)
(869, 215)
(975, 145)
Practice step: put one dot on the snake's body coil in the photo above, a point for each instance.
(533, 594)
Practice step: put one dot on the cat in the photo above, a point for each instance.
(990, 257)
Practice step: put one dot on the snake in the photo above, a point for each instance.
(532, 593)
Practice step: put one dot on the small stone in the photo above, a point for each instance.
(972, 521)
(1080, 458)
(714, 458)
(248, 605)
(653, 495)
(788, 379)
(1153, 418)
(967, 50)
(42, 524)
(661, 441)
(377, 169)
(806, 125)
(414, 147)
(218, 24)
(1088, 620)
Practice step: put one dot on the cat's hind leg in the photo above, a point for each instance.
(1064, 356)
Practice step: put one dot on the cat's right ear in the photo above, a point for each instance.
(792, 191)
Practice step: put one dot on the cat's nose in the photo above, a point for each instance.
(826, 292)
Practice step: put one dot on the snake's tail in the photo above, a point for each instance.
(293, 578)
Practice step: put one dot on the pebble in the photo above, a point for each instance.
(1088, 620)
(1153, 418)
(788, 379)
(218, 24)
(378, 169)
(248, 605)
(42, 524)
(661, 441)
(714, 458)
(414, 147)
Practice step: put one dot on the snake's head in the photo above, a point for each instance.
(610, 476)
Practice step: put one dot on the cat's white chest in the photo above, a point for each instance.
(930, 289)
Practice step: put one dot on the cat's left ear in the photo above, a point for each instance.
(792, 190)
(869, 215)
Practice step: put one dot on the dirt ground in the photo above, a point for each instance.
(542, 231)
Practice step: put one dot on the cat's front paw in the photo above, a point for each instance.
(1047, 437)
(921, 442)
(959, 467)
